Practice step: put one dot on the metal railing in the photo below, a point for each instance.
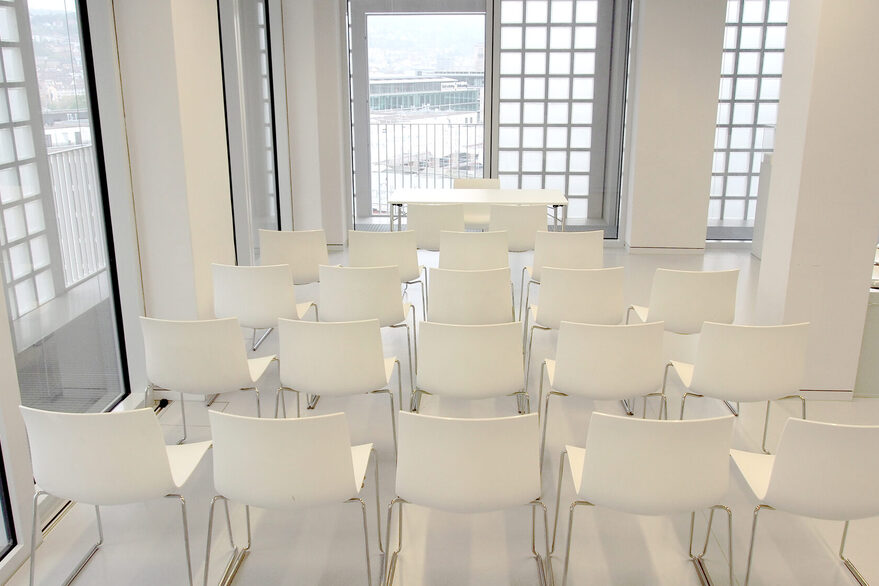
(77, 196)
(412, 154)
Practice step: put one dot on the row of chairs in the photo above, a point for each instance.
(631, 465)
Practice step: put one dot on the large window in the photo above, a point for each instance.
(561, 92)
(750, 83)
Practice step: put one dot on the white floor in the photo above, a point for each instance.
(143, 543)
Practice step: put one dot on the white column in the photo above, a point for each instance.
(822, 216)
(319, 132)
(169, 55)
(674, 80)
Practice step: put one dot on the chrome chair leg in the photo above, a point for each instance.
(365, 535)
(540, 391)
(311, 401)
(558, 498)
(698, 560)
(766, 421)
(254, 343)
(521, 292)
(185, 535)
(378, 508)
(751, 547)
(183, 417)
(280, 395)
(82, 562)
(392, 560)
(574, 505)
(544, 567)
(530, 346)
(545, 420)
(684, 401)
(393, 413)
(848, 564)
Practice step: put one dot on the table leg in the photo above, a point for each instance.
(393, 209)
(555, 218)
(399, 217)
(564, 217)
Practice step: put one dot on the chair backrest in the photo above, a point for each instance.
(358, 293)
(521, 222)
(825, 470)
(684, 300)
(476, 183)
(471, 362)
(303, 250)
(282, 463)
(469, 297)
(609, 362)
(586, 296)
(325, 358)
(99, 458)
(473, 251)
(257, 296)
(468, 465)
(382, 249)
(201, 357)
(428, 220)
(568, 250)
(651, 467)
(750, 363)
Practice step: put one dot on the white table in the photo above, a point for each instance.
(547, 197)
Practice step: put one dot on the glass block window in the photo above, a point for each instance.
(27, 214)
(547, 96)
(747, 110)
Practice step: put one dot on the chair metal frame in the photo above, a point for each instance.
(697, 559)
(544, 567)
(239, 554)
(94, 549)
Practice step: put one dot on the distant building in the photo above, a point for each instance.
(454, 92)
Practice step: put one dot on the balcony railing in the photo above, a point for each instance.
(77, 198)
(411, 154)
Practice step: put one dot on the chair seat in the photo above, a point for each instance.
(550, 371)
(576, 459)
(756, 469)
(302, 308)
(389, 367)
(360, 457)
(685, 372)
(184, 459)
(258, 366)
(641, 311)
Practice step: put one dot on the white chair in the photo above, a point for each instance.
(470, 297)
(203, 357)
(473, 251)
(476, 215)
(684, 300)
(822, 470)
(467, 466)
(562, 250)
(428, 220)
(585, 296)
(604, 363)
(746, 363)
(257, 296)
(359, 293)
(470, 362)
(287, 464)
(521, 223)
(104, 459)
(335, 359)
(302, 250)
(382, 249)
(646, 467)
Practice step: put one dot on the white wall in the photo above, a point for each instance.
(317, 93)
(170, 67)
(823, 210)
(675, 79)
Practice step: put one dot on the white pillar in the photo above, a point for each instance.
(675, 80)
(822, 217)
(169, 54)
(317, 102)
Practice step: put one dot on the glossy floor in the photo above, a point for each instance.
(324, 546)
